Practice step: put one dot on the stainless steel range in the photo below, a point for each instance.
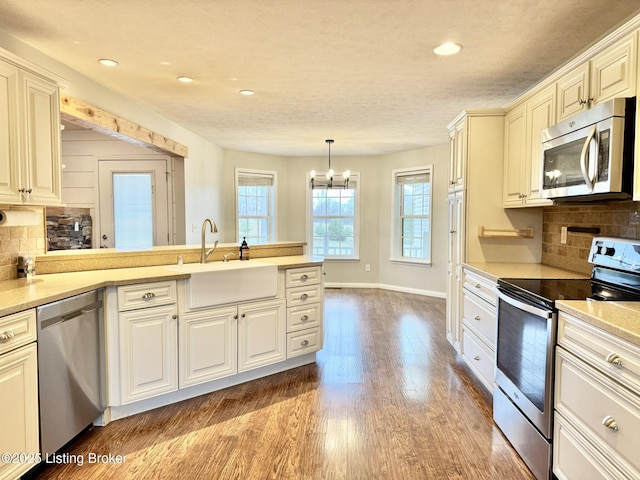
(526, 338)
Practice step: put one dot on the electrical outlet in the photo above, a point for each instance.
(367, 268)
(563, 235)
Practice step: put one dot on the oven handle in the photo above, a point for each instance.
(539, 312)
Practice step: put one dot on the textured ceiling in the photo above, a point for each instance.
(359, 71)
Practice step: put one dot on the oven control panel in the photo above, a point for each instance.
(618, 253)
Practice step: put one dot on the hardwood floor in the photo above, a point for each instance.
(387, 399)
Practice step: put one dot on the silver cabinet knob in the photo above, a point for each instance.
(478, 285)
(303, 278)
(304, 318)
(304, 343)
(6, 336)
(610, 422)
(174, 317)
(477, 358)
(304, 296)
(477, 317)
(614, 359)
(148, 295)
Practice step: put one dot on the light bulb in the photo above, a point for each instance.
(330, 173)
(312, 173)
(346, 173)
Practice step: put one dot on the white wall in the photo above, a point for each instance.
(203, 169)
(375, 215)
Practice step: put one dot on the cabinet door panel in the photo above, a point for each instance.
(613, 71)
(9, 136)
(42, 141)
(261, 334)
(541, 113)
(573, 89)
(515, 125)
(19, 404)
(148, 353)
(208, 345)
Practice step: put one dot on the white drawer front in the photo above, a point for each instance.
(296, 277)
(305, 341)
(144, 295)
(589, 399)
(307, 316)
(481, 318)
(17, 329)
(481, 286)
(304, 295)
(478, 357)
(575, 458)
(611, 354)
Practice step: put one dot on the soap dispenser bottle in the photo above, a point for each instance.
(244, 250)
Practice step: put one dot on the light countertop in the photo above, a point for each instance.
(21, 294)
(621, 319)
(520, 270)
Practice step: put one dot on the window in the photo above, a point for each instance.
(412, 214)
(255, 194)
(334, 221)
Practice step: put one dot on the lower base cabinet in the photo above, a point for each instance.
(261, 334)
(19, 434)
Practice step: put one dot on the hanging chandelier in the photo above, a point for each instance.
(329, 179)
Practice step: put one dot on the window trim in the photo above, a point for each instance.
(396, 243)
(272, 229)
(355, 183)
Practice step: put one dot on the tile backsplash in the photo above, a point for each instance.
(614, 219)
(18, 241)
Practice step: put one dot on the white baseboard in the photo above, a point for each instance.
(395, 288)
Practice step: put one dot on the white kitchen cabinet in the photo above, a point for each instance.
(454, 267)
(20, 432)
(523, 149)
(208, 347)
(610, 73)
(147, 340)
(479, 325)
(30, 162)
(458, 157)
(261, 334)
(600, 437)
(304, 292)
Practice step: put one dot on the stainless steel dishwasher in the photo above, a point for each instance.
(70, 367)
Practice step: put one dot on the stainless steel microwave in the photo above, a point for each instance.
(590, 156)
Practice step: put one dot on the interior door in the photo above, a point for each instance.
(134, 204)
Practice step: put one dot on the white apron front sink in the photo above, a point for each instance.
(219, 283)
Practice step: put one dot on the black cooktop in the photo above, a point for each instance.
(546, 291)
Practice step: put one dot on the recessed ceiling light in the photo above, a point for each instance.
(165, 63)
(447, 49)
(107, 62)
(247, 92)
(184, 79)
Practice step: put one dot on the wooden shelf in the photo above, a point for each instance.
(484, 232)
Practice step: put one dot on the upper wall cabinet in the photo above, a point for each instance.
(608, 74)
(523, 149)
(30, 168)
(458, 154)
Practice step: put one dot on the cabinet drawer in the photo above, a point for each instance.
(306, 316)
(576, 458)
(577, 381)
(304, 295)
(145, 295)
(478, 356)
(601, 349)
(480, 317)
(296, 277)
(479, 285)
(305, 341)
(17, 329)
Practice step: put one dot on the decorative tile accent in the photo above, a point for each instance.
(615, 219)
(69, 228)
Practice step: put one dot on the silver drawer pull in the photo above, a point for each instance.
(477, 317)
(610, 422)
(148, 295)
(6, 336)
(304, 318)
(478, 285)
(304, 296)
(304, 343)
(614, 359)
(303, 278)
(477, 358)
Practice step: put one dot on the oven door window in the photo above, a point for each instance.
(523, 351)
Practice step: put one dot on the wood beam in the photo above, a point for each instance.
(85, 115)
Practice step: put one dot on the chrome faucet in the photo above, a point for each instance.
(214, 229)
